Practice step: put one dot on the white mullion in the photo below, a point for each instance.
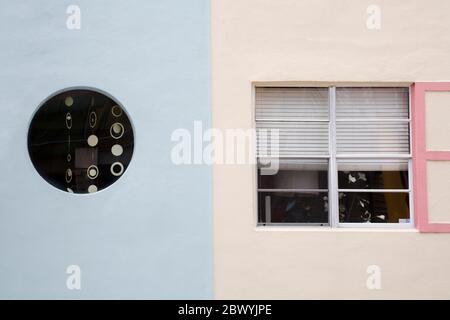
(333, 196)
(410, 168)
(374, 225)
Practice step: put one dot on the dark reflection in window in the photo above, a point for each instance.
(295, 179)
(296, 174)
(373, 179)
(297, 193)
(80, 141)
(293, 207)
(375, 207)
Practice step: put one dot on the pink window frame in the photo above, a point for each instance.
(420, 155)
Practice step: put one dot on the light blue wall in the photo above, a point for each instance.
(150, 234)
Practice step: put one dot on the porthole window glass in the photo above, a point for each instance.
(80, 141)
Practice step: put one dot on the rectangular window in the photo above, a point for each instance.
(344, 156)
(298, 192)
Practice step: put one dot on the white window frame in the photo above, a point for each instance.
(332, 157)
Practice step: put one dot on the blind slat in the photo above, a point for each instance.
(372, 137)
(372, 103)
(297, 138)
(302, 135)
(282, 103)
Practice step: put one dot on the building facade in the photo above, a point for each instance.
(359, 91)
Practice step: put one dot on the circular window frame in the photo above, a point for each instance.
(61, 91)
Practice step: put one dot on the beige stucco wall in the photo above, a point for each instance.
(310, 40)
(437, 124)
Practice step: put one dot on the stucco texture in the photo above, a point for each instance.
(149, 235)
(297, 43)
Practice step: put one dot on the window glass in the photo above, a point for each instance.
(361, 133)
(80, 141)
(293, 207)
(371, 175)
(375, 137)
(372, 103)
(297, 174)
(372, 121)
(300, 138)
(291, 103)
(374, 207)
(297, 193)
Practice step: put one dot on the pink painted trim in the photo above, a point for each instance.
(420, 155)
(438, 155)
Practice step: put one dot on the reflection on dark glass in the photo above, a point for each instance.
(297, 174)
(373, 179)
(375, 207)
(293, 207)
(286, 179)
(77, 138)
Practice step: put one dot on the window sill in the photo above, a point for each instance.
(338, 229)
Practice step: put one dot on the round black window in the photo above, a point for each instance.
(80, 141)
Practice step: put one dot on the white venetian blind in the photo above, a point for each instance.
(372, 120)
(291, 103)
(300, 114)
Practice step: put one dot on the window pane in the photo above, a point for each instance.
(294, 138)
(356, 137)
(291, 103)
(374, 207)
(380, 175)
(297, 174)
(81, 141)
(372, 103)
(293, 207)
